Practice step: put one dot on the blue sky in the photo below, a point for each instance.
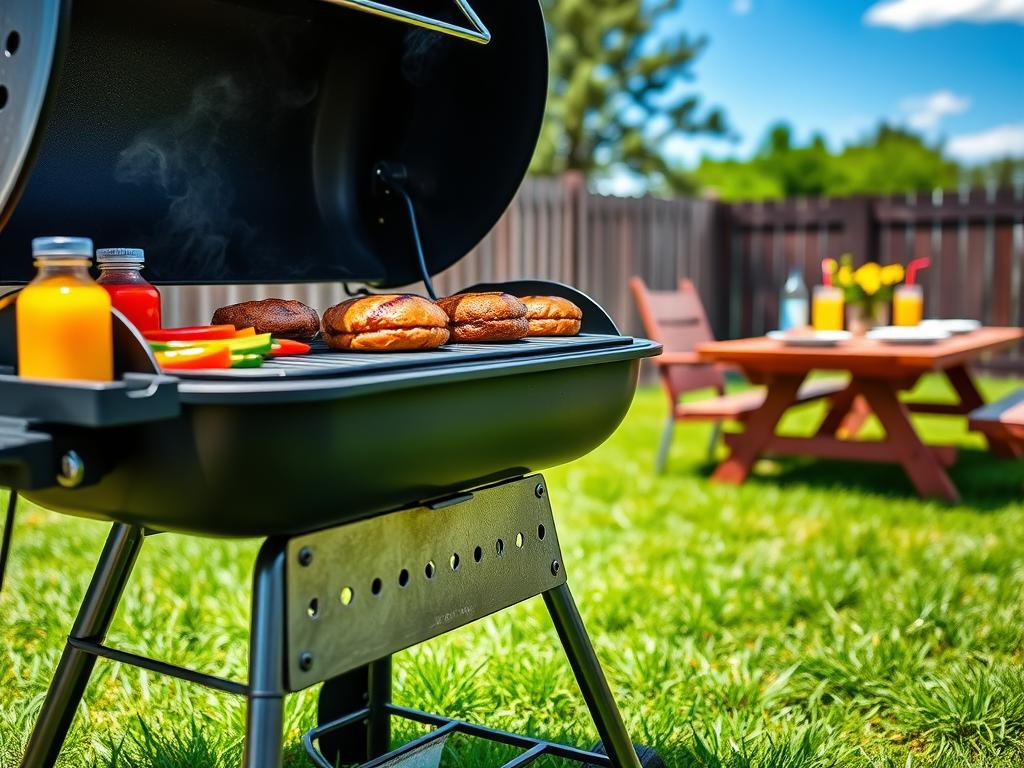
(950, 68)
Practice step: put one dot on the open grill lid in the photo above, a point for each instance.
(238, 141)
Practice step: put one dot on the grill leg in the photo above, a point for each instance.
(378, 733)
(264, 728)
(5, 543)
(94, 617)
(590, 677)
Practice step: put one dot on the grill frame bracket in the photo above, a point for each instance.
(326, 637)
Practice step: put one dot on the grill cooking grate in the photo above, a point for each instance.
(322, 361)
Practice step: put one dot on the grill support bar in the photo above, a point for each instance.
(534, 748)
(160, 667)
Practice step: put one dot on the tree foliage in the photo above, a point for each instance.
(617, 90)
(891, 160)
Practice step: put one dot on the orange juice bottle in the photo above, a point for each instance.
(65, 329)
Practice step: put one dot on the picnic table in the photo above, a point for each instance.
(878, 373)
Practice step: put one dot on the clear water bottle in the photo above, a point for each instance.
(794, 306)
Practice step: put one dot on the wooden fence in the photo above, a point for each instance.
(975, 240)
(737, 254)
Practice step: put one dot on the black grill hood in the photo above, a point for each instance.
(237, 141)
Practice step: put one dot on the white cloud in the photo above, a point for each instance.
(742, 7)
(914, 14)
(999, 141)
(924, 113)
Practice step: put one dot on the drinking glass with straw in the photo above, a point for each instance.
(908, 299)
(827, 302)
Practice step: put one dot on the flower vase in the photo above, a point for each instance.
(861, 318)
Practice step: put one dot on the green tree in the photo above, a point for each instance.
(893, 161)
(616, 90)
(797, 170)
(890, 161)
(1003, 172)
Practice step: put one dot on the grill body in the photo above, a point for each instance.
(265, 468)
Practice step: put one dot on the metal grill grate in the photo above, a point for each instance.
(324, 362)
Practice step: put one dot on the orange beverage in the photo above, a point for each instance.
(827, 308)
(65, 329)
(907, 305)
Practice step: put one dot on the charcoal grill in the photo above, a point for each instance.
(160, 123)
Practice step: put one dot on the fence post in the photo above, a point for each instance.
(858, 236)
(720, 254)
(574, 186)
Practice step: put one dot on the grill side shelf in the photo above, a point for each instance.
(133, 399)
(368, 589)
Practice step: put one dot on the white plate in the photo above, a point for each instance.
(810, 338)
(895, 334)
(951, 326)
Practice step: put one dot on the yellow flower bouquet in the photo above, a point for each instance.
(867, 289)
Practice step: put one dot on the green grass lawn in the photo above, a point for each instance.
(820, 615)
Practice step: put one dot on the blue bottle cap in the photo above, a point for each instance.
(62, 247)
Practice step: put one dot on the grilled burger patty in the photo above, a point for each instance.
(283, 318)
(385, 322)
(477, 317)
(552, 316)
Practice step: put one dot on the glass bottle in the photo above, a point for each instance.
(794, 309)
(130, 293)
(65, 330)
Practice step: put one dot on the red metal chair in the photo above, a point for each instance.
(677, 320)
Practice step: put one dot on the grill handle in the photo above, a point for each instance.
(477, 32)
(26, 457)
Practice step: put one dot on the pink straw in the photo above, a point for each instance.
(914, 266)
(826, 272)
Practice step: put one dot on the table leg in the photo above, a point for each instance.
(970, 398)
(918, 461)
(758, 429)
(846, 416)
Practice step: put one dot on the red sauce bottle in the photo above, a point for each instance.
(120, 274)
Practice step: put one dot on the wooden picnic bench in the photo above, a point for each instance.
(878, 374)
(1002, 420)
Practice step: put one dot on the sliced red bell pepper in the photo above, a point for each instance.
(288, 347)
(192, 333)
(191, 358)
